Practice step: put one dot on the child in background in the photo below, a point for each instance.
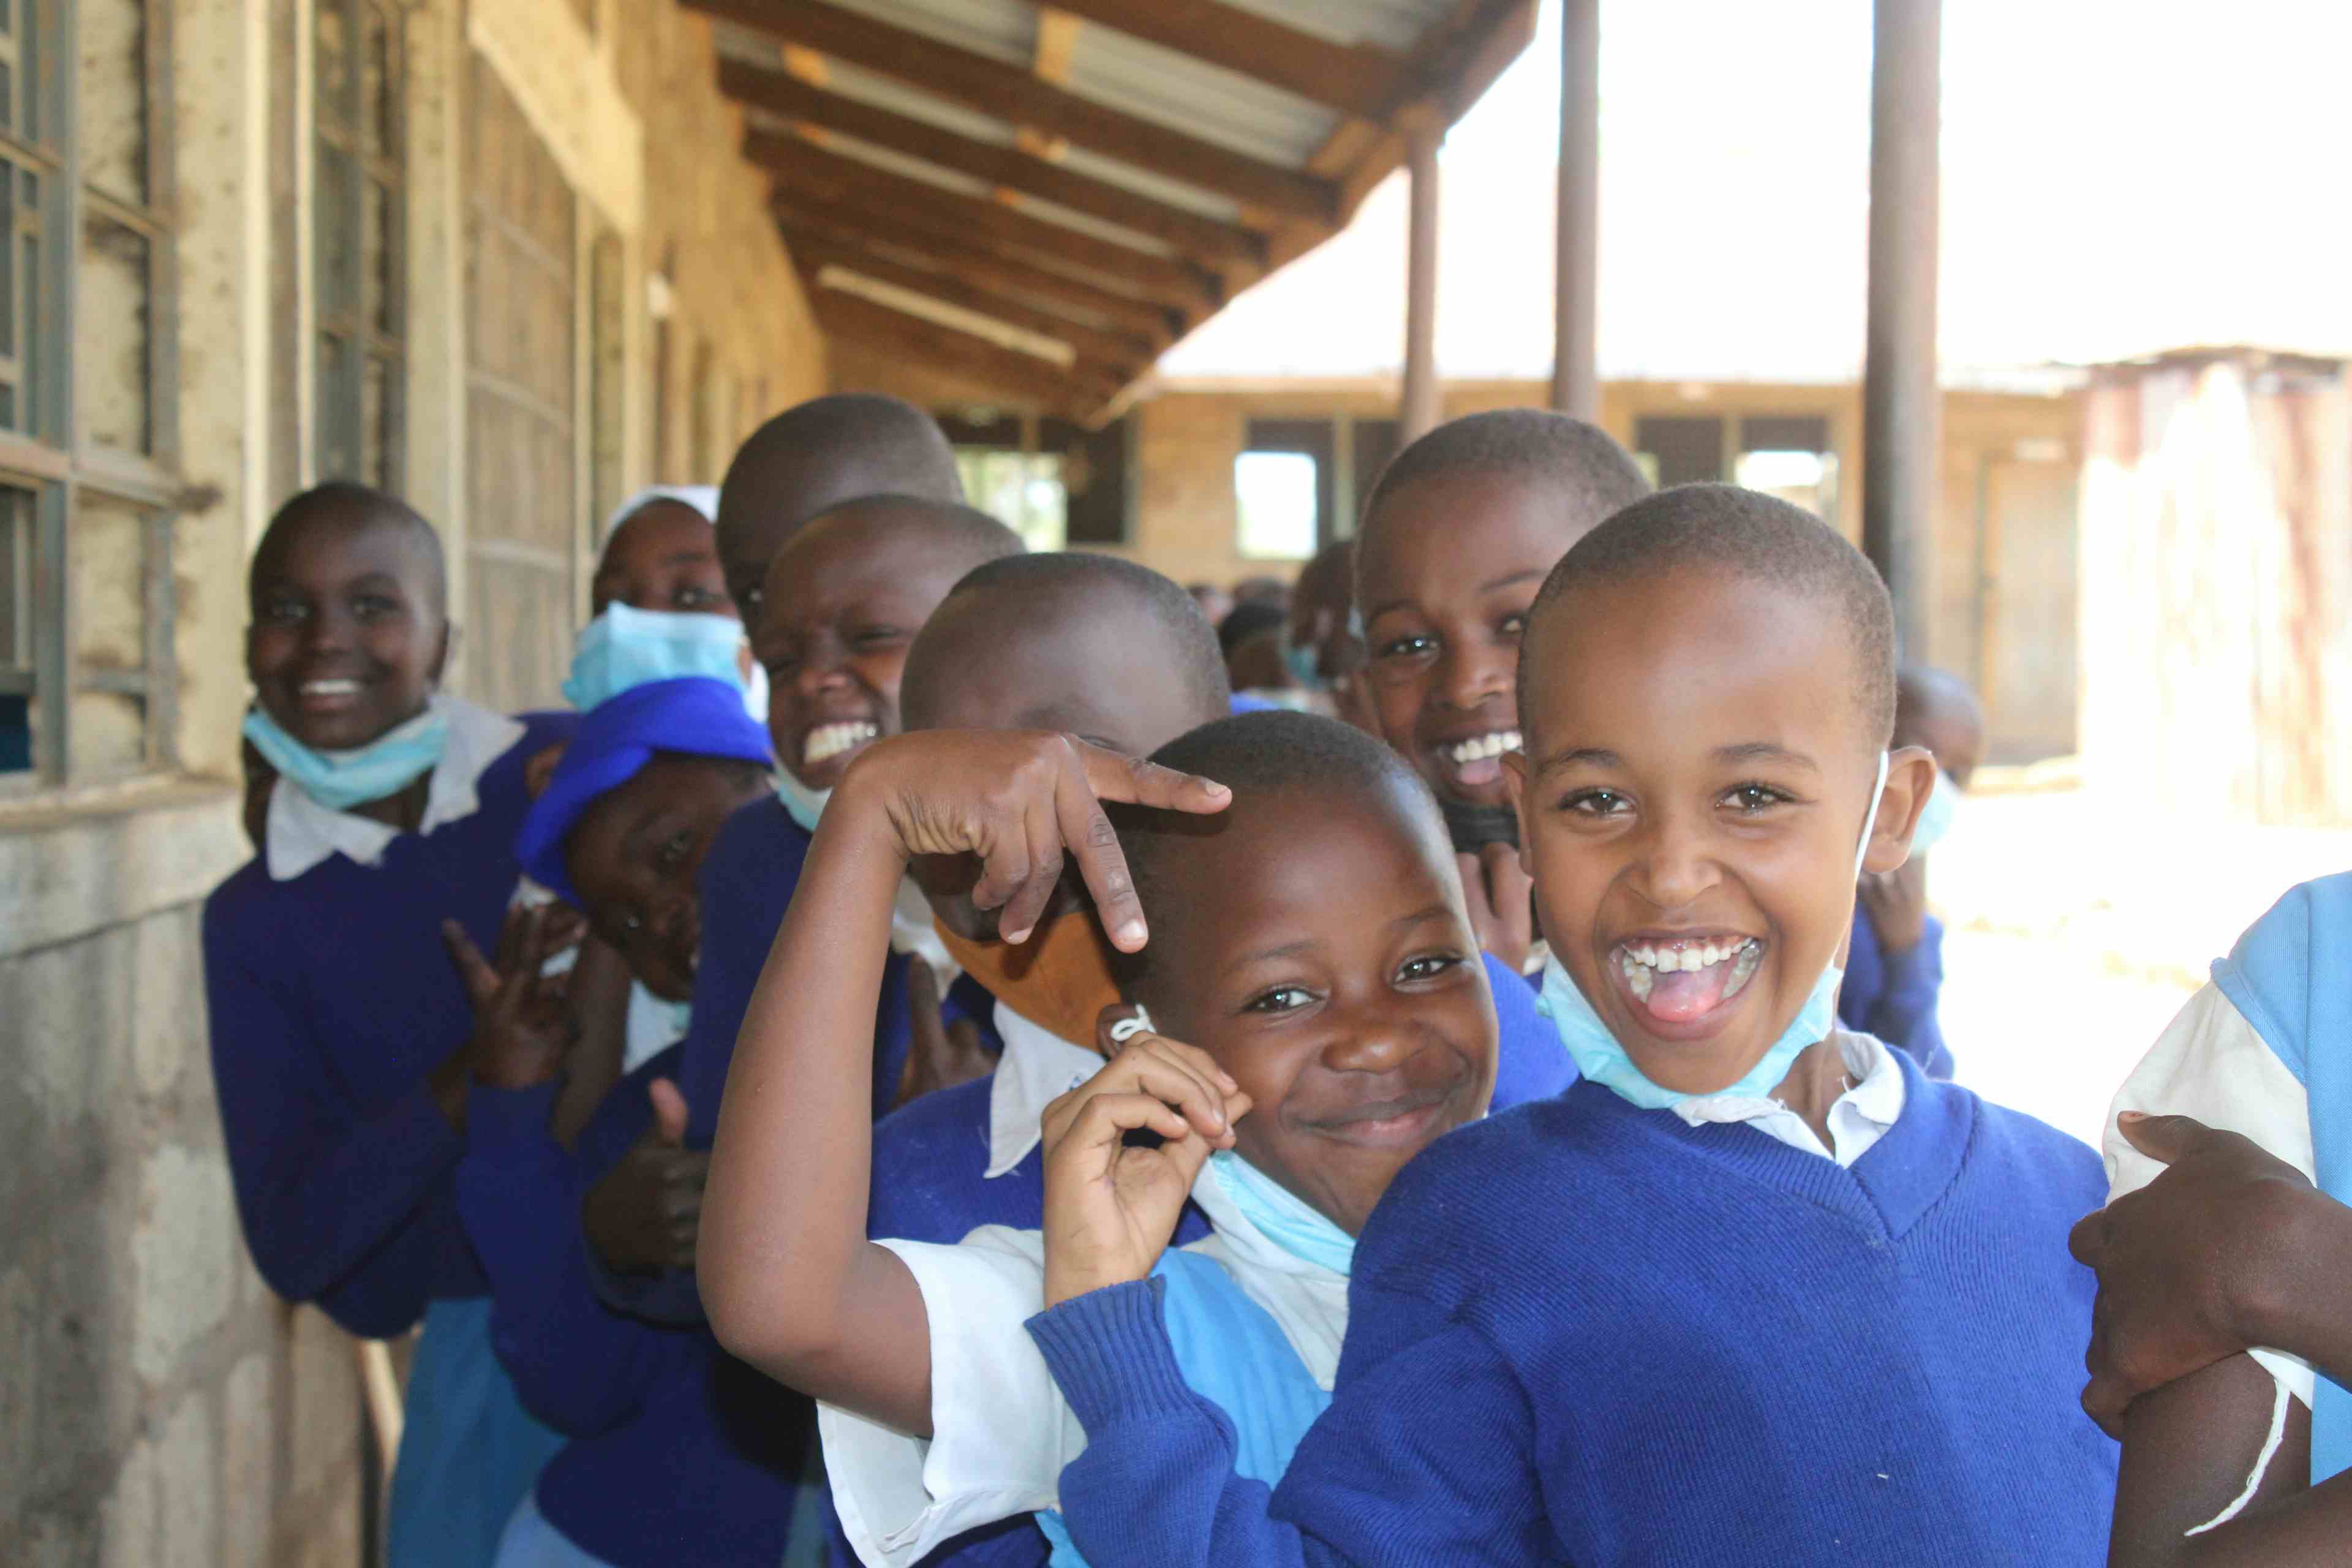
(338, 1029)
(1456, 538)
(675, 1455)
(1895, 965)
(1312, 939)
(810, 459)
(1813, 1308)
(2220, 1356)
(845, 597)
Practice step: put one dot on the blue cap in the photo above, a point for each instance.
(694, 716)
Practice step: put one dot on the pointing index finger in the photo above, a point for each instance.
(1134, 781)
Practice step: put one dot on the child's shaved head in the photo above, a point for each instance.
(810, 459)
(1086, 604)
(342, 507)
(1581, 465)
(1744, 535)
(964, 532)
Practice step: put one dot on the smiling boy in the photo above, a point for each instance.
(1815, 1307)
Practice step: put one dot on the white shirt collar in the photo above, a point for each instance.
(1037, 1068)
(1859, 1117)
(300, 833)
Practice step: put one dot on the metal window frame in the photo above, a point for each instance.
(57, 462)
(342, 400)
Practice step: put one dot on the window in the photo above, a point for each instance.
(86, 268)
(1786, 455)
(1054, 483)
(1283, 503)
(358, 241)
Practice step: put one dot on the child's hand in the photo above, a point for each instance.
(2189, 1265)
(644, 1216)
(1111, 1205)
(941, 1055)
(522, 1029)
(1500, 897)
(1020, 800)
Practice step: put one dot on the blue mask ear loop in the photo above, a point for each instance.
(1870, 823)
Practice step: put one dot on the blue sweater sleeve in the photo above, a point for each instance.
(338, 1210)
(1904, 1012)
(578, 1367)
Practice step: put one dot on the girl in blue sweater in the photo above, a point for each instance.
(1315, 944)
(338, 1030)
(1813, 1308)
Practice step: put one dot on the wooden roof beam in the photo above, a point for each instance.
(944, 347)
(853, 227)
(1355, 79)
(789, 98)
(814, 255)
(1012, 94)
(836, 177)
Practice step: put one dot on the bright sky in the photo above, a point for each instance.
(2118, 178)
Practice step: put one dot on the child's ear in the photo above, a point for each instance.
(1910, 777)
(1514, 780)
(1117, 1024)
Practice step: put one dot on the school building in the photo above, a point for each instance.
(512, 259)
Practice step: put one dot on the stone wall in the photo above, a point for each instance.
(158, 1405)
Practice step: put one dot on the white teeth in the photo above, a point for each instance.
(1681, 958)
(1478, 748)
(1744, 970)
(829, 740)
(1638, 979)
(331, 688)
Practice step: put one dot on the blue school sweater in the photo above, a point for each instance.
(680, 1453)
(1894, 996)
(1738, 1352)
(332, 1000)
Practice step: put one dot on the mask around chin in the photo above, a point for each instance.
(1473, 827)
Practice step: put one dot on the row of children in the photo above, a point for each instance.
(1100, 1241)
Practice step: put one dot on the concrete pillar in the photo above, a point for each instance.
(1421, 410)
(1899, 414)
(1575, 371)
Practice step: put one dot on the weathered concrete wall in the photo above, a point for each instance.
(157, 1405)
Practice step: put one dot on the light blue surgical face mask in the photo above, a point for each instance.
(1283, 1216)
(626, 646)
(1600, 1058)
(1935, 817)
(1304, 663)
(342, 780)
(802, 803)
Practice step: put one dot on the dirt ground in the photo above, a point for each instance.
(2076, 929)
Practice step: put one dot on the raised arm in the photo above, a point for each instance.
(791, 1283)
(2228, 1249)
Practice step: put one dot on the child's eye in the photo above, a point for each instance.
(373, 606)
(1512, 625)
(1749, 799)
(1281, 999)
(1597, 803)
(673, 852)
(1413, 644)
(1429, 966)
(285, 610)
(693, 598)
(876, 637)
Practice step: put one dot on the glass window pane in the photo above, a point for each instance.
(335, 236)
(330, 68)
(1275, 496)
(376, 395)
(378, 76)
(110, 334)
(16, 581)
(111, 117)
(338, 454)
(378, 256)
(7, 260)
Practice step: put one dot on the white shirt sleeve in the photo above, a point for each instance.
(1000, 1431)
(2211, 1064)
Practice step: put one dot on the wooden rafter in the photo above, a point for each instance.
(935, 344)
(1354, 78)
(831, 176)
(813, 255)
(1015, 95)
(982, 268)
(788, 97)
